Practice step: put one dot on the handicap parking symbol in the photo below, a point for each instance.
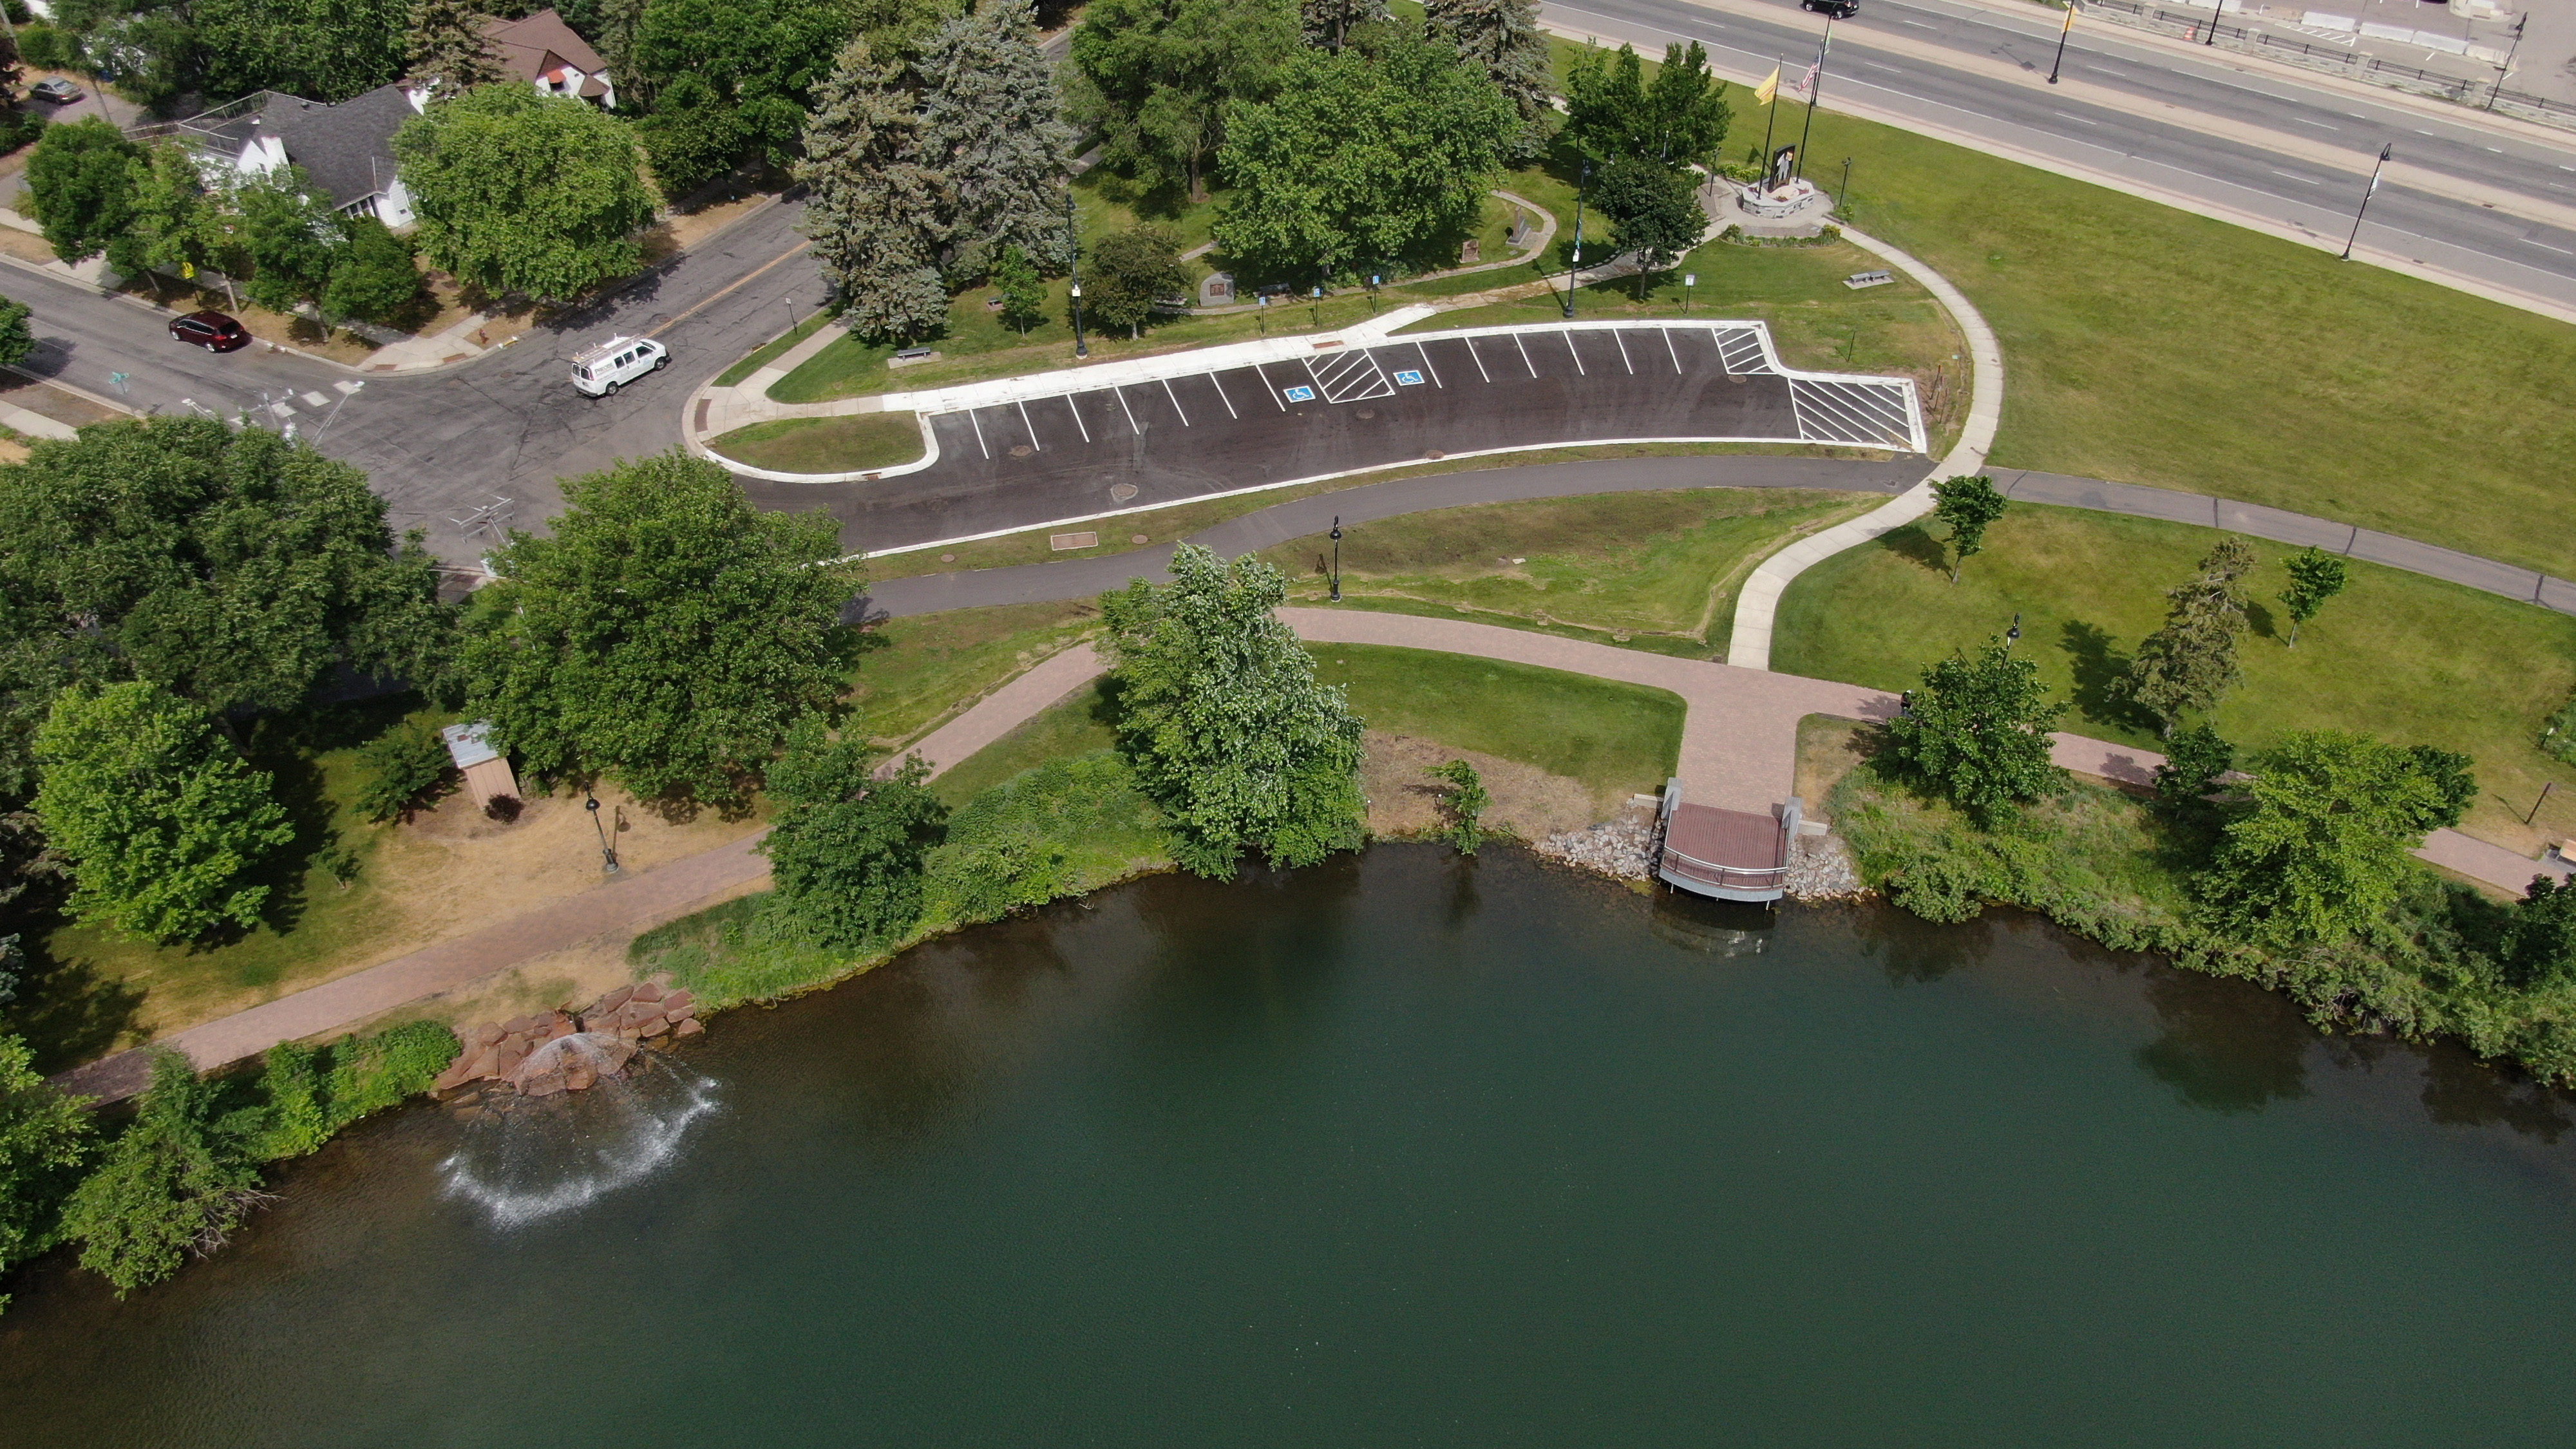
(1301, 394)
(1408, 379)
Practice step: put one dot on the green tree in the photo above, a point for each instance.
(1024, 294)
(2539, 941)
(873, 202)
(322, 50)
(1977, 732)
(2194, 760)
(991, 111)
(1154, 78)
(1654, 209)
(1130, 269)
(2455, 785)
(695, 135)
(525, 193)
(45, 1139)
(1970, 506)
(667, 632)
(757, 64)
(17, 336)
(161, 820)
(1503, 36)
(174, 221)
(373, 276)
(445, 42)
(1680, 118)
(1222, 718)
(81, 182)
(2320, 852)
(1329, 23)
(152, 48)
(400, 768)
(1361, 156)
(178, 1181)
(2315, 576)
(287, 232)
(846, 847)
(2191, 662)
(234, 568)
(1467, 802)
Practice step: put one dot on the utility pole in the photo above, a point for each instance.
(2364, 208)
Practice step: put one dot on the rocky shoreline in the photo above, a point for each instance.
(545, 1053)
(1820, 867)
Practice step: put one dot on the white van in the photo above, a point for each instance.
(618, 361)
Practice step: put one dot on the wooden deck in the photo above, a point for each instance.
(1735, 855)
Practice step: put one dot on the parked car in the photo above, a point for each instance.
(620, 360)
(56, 90)
(1839, 9)
(212, 331)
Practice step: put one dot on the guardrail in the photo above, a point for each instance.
(1725, 877)
(2479, 94)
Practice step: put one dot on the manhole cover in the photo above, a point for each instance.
(1019, 450)
(1368, 412)
(1121, 492)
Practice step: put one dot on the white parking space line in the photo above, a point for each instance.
(1480, 361)
(1034, 444)
(1221, 397)
(1130, 412)
(316, 400)
(1274, 387)
(1427, 367)
(1616, 336)
(1568, 335)
(984, 447)
(1176, 401)
(1075, 408)
(1525, 358)
(1669, 350)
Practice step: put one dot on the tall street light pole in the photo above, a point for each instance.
(2364, 209)
(2062, 32)
(1337, 558)
(1574, 274)
(2507, 68)
(607, 852)
(1073, 272)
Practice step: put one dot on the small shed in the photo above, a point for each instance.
(486, 770)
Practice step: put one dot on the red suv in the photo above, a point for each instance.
(212, 331)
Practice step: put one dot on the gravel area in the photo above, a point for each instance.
(1821, 870)
(1620, 849)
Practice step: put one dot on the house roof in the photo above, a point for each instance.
(541, 45)
(346, 149)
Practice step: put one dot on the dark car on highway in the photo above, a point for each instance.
(1839, 9)
(212, 331)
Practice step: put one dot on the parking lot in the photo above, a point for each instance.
(1073, 455)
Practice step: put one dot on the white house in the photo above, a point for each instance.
(347, 149)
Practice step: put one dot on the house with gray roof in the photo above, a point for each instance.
(346, 149)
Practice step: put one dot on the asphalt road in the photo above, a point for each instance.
(507, 425)
(1923, 61)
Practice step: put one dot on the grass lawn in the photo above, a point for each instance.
(1657, 569)
(916, 672)
(2407, 658)
(1617, 739)
(760, 357)
(1076, 726)
(826, 445)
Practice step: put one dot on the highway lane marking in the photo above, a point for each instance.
(1623, 349)
(1579, 369)
(1221, 397)
(2546, 247)
(1427, 367)
(2321, 125)
(1669, 350)
(2499, 150)
(979, 433)
(1480, 361)
(1034, 444)
(1919, 25)
(1130, 412)
(2106, 70)
(720, 296)
(2294, 176)
(1274, 387)
(1525, 357)
(1075, 408)
(2079, 120)
(1874, 65)
(1176, 401)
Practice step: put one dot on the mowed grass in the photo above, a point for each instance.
(826, 445)
(2400, 656)
(1658, 569)
(1077, 725)
(1615, 738)
(916, 672)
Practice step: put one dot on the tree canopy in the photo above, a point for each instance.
(45, 1138)
(1654, 211)
(872, 202)
(525, 193)
(1362, 155)
(1977, 732)
(1220, 714)
(1503, 37)
(991, 113)
(178, 1181)
(445, 42)
(161, 820)
(731, 76)
(1679, 119)
(2320, 851)
(1154, 78)
(1970, 506)
(2190, 663)
(322, 50)
(2315, 576)
(667, 633)
(80, 186)
(1129, 270)
(845, 847)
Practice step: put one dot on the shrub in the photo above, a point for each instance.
(2558, 737)
(404, 767)
(1467, 802)
(371, 1073)
(1066, 826)
(45, 1138)
(504, 808)
(179, 1181)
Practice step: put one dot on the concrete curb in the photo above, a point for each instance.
(1757, 606)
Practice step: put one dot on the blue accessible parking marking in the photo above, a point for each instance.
(1300, 394)
(1408, 379)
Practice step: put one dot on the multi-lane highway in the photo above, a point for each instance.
(2493, 206)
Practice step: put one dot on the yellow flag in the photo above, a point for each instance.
(1770, 87)
(188, 271)
(2070, 20)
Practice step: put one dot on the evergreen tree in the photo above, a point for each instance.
(846, 847)
(178, 1181)
(447, 45)
(1154, 78)
(1221, 716)
(1977, 732)
(2190, 662)
(1970, 506)
(991, 115)
(873, 205)
(1329, 23)
(2315, 576)
(1503, 37)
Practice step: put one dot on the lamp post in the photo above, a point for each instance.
(1574, 274)
(1073, 273)
(1337, 558)
(1315, 305)
(1842, 198)
(2507, 68)
(2062, 32)
(2012, 636)
(607, 852)
(2364, 209)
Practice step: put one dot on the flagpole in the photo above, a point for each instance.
(1815, 95)
(2364, 208)
(1771, 106)
(2061, 42)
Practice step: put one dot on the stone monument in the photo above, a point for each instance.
(1781, 192)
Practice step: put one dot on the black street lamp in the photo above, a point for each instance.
(2364, 209)
(2507, 68)
(2062, 32)
(1574, 274)
(2012, 636)
(1842, 198)
(607, 852)
(1073, 272)
(1337, 558)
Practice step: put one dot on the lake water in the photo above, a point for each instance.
(1405, 1150)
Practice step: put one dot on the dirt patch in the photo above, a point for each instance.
(681, 230)
(1828, 749)
(52, 402)
(1528, 803)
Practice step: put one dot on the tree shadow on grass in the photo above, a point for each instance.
(68, 1012)
(2100, 671)
(1915, 543)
